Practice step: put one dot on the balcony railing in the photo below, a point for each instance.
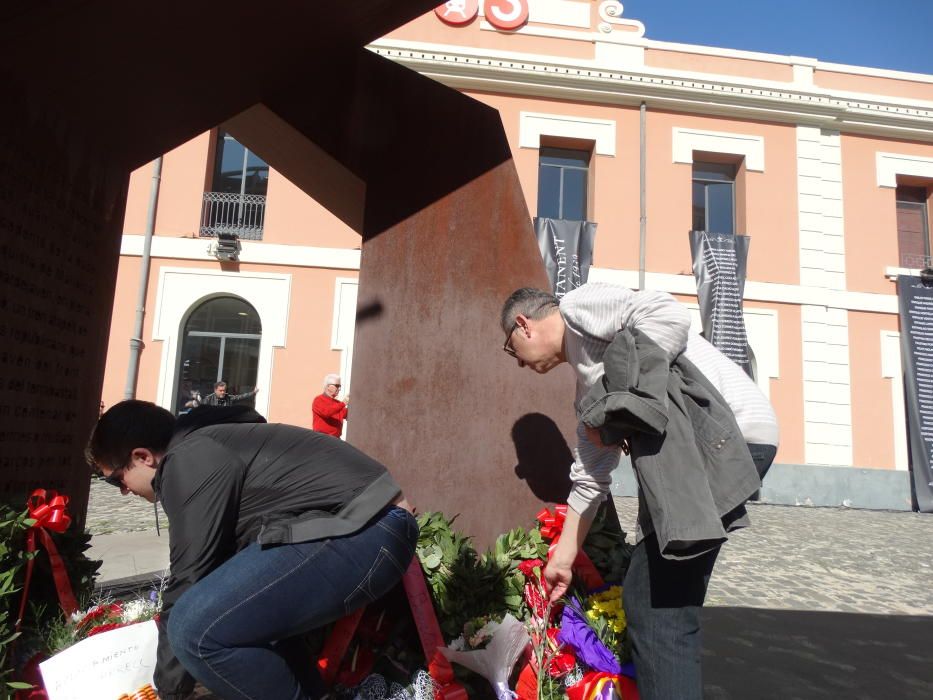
(912, 261)
(238, 214)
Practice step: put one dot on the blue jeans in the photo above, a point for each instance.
(226, 629)
(662, 600)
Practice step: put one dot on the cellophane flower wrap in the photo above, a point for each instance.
(494, 662)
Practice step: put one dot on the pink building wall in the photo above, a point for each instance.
(700, 63)
(767, 210)
(298, 368)
(872, 425)
(869, 84)
(870, 213)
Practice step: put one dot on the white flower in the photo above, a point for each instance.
(135, 610)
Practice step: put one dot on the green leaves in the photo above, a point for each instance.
(605, 544)
(13, 526)
(465, 584)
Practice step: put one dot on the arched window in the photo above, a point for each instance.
(220, 342)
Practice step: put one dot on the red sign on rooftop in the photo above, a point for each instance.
(502, 14)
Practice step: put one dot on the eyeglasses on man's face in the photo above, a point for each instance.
(507, 346)
(115, 478)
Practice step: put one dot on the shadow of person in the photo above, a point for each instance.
(543, 457)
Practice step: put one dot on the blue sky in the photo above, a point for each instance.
(896, 34)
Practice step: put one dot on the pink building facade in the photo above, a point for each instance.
(828, 168)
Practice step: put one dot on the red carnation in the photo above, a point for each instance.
(528, 567)
(562, 662)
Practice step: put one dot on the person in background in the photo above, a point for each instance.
(220, 397)
(328, 412)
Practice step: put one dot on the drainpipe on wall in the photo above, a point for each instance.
(136, 340)
(643, 218)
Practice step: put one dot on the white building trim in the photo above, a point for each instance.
(180, 290)
(891, 369)
(820, 208)
(255, 252)
(827, 393)
(827, 406)
(565, 13)
(756, 291)
(686, 141)
(889, 165)
(595, 80)
(533, 125)
(343, 330)
(892, 273)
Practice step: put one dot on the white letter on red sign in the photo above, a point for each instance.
(507, 14)
(457, 12)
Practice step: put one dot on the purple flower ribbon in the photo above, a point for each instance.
(576, 633)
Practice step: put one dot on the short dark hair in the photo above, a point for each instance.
(123, 428)
(217, 385)
(527, 301)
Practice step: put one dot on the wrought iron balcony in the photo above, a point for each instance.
(241, 215)
(912, 261)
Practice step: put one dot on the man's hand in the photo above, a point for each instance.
(557, 578)
(557, 574)
(592, 434)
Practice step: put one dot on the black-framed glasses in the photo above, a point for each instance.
(115, 478)
(507, 346)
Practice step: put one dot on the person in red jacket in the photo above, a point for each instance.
(328, 411)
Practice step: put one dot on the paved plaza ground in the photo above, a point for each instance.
(807, 603)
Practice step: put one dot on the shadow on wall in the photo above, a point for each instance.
(369, 311)
(543, 457)
(814, 654)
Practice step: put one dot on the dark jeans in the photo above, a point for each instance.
(662, 599)
(225, 628)
(763, 456)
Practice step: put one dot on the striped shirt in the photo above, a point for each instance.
(593, 315)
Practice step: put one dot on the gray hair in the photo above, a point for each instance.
(331, 379)
(529, 302)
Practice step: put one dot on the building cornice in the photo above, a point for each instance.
(535, 75)
(252, 252)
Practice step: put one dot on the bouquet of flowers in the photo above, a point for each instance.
(490, 650)
(578, 646)
(103, 616)
(101, 643)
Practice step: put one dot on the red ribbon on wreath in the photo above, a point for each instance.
(552, 526)
(50, 511)
(603, 686)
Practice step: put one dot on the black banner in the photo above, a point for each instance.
(567, 250)
(719, 268)
(915, 305)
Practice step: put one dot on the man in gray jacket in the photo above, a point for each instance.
(663, 594)
(220, 397)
